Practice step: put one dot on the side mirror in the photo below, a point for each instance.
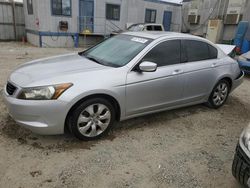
(147, 66)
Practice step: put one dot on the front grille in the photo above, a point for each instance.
(10, 88)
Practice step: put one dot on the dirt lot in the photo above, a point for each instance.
(188, 147)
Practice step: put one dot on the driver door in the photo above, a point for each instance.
(152, 91)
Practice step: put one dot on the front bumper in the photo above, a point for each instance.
(241, 165)
(41, 117)
(238, 81)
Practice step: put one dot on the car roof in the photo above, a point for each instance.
(155, 24)
(145, 24)
(161, 34)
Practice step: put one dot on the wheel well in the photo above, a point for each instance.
(111, 99)
(229, 80)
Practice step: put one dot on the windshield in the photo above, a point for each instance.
(117, 51)
(136, 27)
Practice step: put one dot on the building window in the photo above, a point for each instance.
(61, 7)
(30, 6)
(150, 16)
(112, 12)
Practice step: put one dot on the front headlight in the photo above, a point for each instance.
(246, 138)
(43, 92)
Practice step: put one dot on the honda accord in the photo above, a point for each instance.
(126, 76)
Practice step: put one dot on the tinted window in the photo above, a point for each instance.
(213, 52)
(165, 53)
(196, 50)
(112, 12)
(183, 52)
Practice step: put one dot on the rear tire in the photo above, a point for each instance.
(92, 119)
(219, 95)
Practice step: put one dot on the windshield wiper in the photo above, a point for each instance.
(93, 59)
(101, 62)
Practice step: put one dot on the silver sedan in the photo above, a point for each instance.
(126, 76)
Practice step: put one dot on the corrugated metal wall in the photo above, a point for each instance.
(7, 29)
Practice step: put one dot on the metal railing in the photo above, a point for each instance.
(96, 25)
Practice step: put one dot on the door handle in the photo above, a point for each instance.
(178, 71)
(214, 65)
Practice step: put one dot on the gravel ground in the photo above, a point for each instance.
(188, 147)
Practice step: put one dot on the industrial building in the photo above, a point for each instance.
(216, 20)
(67, 23)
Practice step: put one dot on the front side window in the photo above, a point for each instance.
(150, 16)
(30, 6)
(112, 12)
(165, 53)
(198, 51)
(61, 7)
(117, 51)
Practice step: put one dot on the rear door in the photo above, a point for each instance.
(200, 69)
(150, 91)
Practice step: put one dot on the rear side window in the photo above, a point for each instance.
(213, 52)
(165, 53)
(196, 50)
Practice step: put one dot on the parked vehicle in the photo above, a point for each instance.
(241, 162)
(128, 75)
(146, 27)
(244, 62)
(142, 27)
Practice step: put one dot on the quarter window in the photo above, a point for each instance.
(165, 53)
(30, 6)
(150, 16)
(61, 7)
(112, 12)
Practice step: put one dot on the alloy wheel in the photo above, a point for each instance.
(220, 94)
(94, 120)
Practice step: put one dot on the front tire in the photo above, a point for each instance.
(240, 171)
(219, 95)
(92, 119)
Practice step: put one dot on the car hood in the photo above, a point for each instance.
(52, 67)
